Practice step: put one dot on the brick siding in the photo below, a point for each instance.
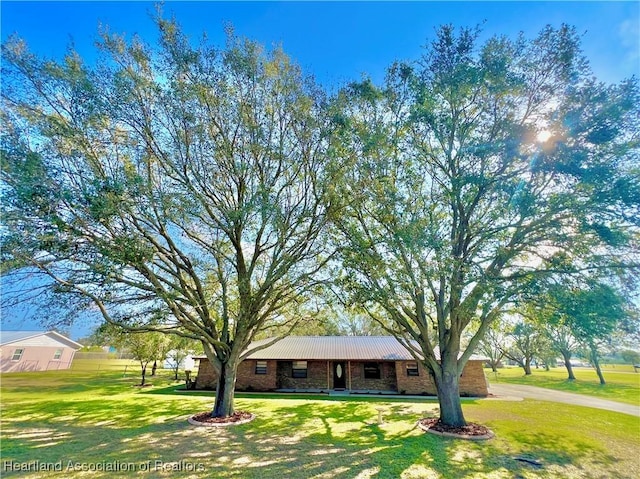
(472, 381)
(387, 381)
(393, 377)
(206, 378)
(316, 376)
(246, 378)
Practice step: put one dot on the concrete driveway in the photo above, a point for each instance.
(531, 392)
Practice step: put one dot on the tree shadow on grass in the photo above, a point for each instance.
(388, 451)
(290, 438)
(178, 388)
(553, 449)
(67, 382)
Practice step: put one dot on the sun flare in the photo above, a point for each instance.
(543, 136)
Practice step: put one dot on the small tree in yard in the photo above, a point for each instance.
(562, 340)
(182, 190)
(596, 310)
(179, 349)
(526, 342)
(144, 347)
(493, 345)
(630, 356)
(455, 199)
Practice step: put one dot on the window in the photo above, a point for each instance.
(261, 367)
(57, 355)
(17, 354)
(299, 369)
(371, 371)
(412, 369)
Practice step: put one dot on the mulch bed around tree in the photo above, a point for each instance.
(471, 431)
(205, 419)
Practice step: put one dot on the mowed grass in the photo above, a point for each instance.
(623, 384)
(99, 421)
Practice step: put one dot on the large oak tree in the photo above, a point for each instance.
(474, 170)
(178, 188)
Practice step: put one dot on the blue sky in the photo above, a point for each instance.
(335, 41)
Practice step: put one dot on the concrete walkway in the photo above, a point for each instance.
(532, 392)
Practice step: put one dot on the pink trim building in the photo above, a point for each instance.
(35, 351)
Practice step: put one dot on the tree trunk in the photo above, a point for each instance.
(567, 364)
(153, 368)
(448, 388)
(596, 364)
(144, 373)
(599, 372)
(527, 367)
(225, 391)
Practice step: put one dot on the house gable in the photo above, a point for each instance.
(35, 351)
(37, 338)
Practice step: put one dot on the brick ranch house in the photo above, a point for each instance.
(357, 364)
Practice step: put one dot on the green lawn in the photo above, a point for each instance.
(89, 418)
(623, 384)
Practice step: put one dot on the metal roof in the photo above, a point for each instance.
(351, 348)
(333, 347)
(7, 337)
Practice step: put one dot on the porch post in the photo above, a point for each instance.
(349, 373)
(328, 381)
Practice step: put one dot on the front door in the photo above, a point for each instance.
(339, 376)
